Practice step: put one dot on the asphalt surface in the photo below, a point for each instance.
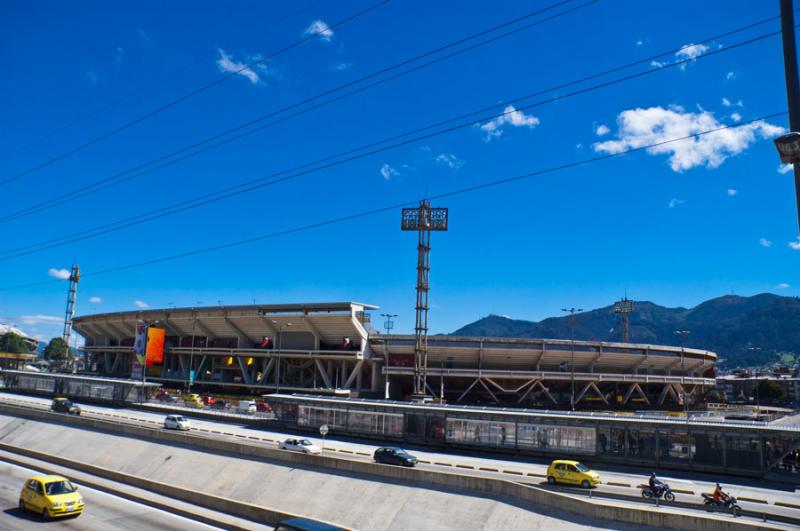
(103, 511)
(618, 484)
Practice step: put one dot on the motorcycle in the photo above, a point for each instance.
(661, 490)
(730, 503)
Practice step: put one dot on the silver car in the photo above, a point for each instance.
(300, 445)
(177, 422)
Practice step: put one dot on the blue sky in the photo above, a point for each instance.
(699, 219)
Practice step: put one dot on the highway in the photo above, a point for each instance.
(618, 483)
(103, 511)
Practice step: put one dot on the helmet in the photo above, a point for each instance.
(652, 474)
(719, 486)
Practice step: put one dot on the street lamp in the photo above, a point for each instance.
(388, 325)
(278, 364)
(758, 402)
(681, 335)
(572, 312)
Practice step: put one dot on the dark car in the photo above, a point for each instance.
(394, 456)
(305, 524)
(64, 405)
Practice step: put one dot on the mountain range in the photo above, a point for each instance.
(743, 331)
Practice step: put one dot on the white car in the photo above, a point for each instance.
(177, 422)
(300, 445)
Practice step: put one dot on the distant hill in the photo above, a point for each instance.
(732, 326)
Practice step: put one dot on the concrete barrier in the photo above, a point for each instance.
(256, 513)
(598, 510)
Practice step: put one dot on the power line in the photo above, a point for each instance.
(349, 217)
(159, 80)
(191, 94)
(260, 182)
(115, 179)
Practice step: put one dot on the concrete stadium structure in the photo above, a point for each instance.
(331, 348)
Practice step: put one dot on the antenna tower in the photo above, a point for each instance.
(624, 307)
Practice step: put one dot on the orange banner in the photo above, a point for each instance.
(155, 345)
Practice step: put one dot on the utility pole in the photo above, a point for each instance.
(624, 308)
(388, 325)
(422, 220)
(572, 312)
(74, 278)
(278, 361)
(789, 144)
(681, 335)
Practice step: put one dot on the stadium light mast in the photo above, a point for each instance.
(681, 336)
(624, 307)
(387, 325)
(788, 145)
(422, 220)
(572, 312)
(74, 278)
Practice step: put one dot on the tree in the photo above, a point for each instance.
(57, 352)
(771, 391)
(13, 344)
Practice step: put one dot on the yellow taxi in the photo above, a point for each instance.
(51, 496)
(572, 472)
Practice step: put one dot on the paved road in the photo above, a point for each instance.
(528, 470)
(103, 511)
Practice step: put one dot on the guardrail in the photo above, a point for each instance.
(645, 516)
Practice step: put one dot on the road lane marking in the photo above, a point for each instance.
(424, 461)
(537, 474)
(470, 467)
(617, 484)
(442, 464)
(683, 491)
(363, 453)
(787, 504)
(753, 500)
(513, 472)
(487, 469)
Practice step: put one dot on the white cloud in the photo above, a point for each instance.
(141, 304)
(387, 172)
(640, 42)
(654, 125)
(93, 77)
(144, 36)
(728, 103)
(320, 28)
(338, 67)
(61, 274)
(763, 242)
(511, 116)
(730, 76)
(783, 285)
(731, 191)
(795, 245)
(225, 63)
(785, 168)
(657, 64)
(601, 130)
(691, 52)
(449, 160)
(675, 202)
(95, 300)
(736, 117)
(40, 319)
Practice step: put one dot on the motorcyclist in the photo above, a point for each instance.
(655, 484)
(719, 496)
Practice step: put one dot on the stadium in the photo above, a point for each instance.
(332, 349)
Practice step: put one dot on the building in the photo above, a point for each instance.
(331, 348)
(742, 388)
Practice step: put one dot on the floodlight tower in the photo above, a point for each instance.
(624, 308)
(423, 220)
(74, 278)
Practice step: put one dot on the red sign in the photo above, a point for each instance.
(155, 346)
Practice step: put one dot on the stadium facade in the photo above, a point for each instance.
(331, 348)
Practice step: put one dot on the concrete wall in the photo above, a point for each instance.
(348, 478)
